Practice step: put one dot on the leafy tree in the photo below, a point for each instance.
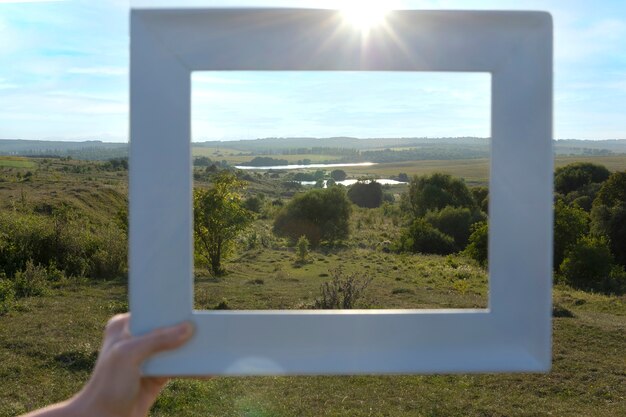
(219, 217)
(455, 222)
(338, 175)
(477, 247)
(611, 223)
(613, 191)
(368, 195)
(302, 249)
(424, 238)
(574, 176)
(437, 191)
(570, 224)
(253, 204)
(319, 214)
(588, 265)
(481, 197)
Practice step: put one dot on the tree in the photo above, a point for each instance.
(455, 222)
(338, 175)
(319, 214)
(570, 224)
(574, 176)
(610, 222)
(364, 194)
(588, 265)
(437, 191)
(302, 249)
(424, 238)
(613, 191)
(219, 217)
(478, 245)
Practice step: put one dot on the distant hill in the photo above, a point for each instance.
(381, 149)
(88, 150)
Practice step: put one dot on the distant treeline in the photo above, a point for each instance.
(347, 149)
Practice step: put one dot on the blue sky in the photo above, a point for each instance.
(63, 75)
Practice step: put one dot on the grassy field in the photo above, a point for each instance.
(48, 344)
(234, 157)
(16, 162)
(474, 171)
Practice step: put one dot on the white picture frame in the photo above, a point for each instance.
(512, 335)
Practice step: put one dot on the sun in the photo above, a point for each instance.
(364, 15)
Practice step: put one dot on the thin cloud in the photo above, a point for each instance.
(99, 71)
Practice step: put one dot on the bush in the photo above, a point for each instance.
(455, 222)
(342, 292)
(570, 224)
(611, 223)
(366, 194)
(338, 174)
(424, 238)
(574, 176)
(588, 265)
(7, 296)
(319, 214)
(302, 249)
(437, 191)
(254, 204)
(477, 247)
(31, 282)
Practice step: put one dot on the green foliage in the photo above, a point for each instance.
(478, 245)
(455, 222)
(65, 239)
(613, 190)
(611, 223)
(31, 282)
(302, 249)
(570, 224)
(422, 237)
(219, 217)
(588, 265)
(338, 175)
(7, 296)
(481, 197)
(254, 204)
(574, 176)
(319, 214)
(436, 191)
(342, 291)
(366, 194)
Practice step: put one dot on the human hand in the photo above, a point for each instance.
(116, 387)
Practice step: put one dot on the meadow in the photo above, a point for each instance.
(49, 343)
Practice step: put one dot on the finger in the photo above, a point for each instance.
(167, 338)
(116, 325)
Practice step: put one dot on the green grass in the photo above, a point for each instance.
(16, 162)
(48, 344)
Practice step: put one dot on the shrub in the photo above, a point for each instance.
(455, 222)
(31, 282)
(366, 194)
(478, 243)
(254, 204)
(338, 174)
(588, 265)
(437, 191)
(319, 214)
(576, 175)
(424, 238)
(109, 259)
(302, 249)
(7, 296)
(342, 292)
(570, 224)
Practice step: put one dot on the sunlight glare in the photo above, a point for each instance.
(364, 15)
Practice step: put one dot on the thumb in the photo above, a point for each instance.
(159, 340)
